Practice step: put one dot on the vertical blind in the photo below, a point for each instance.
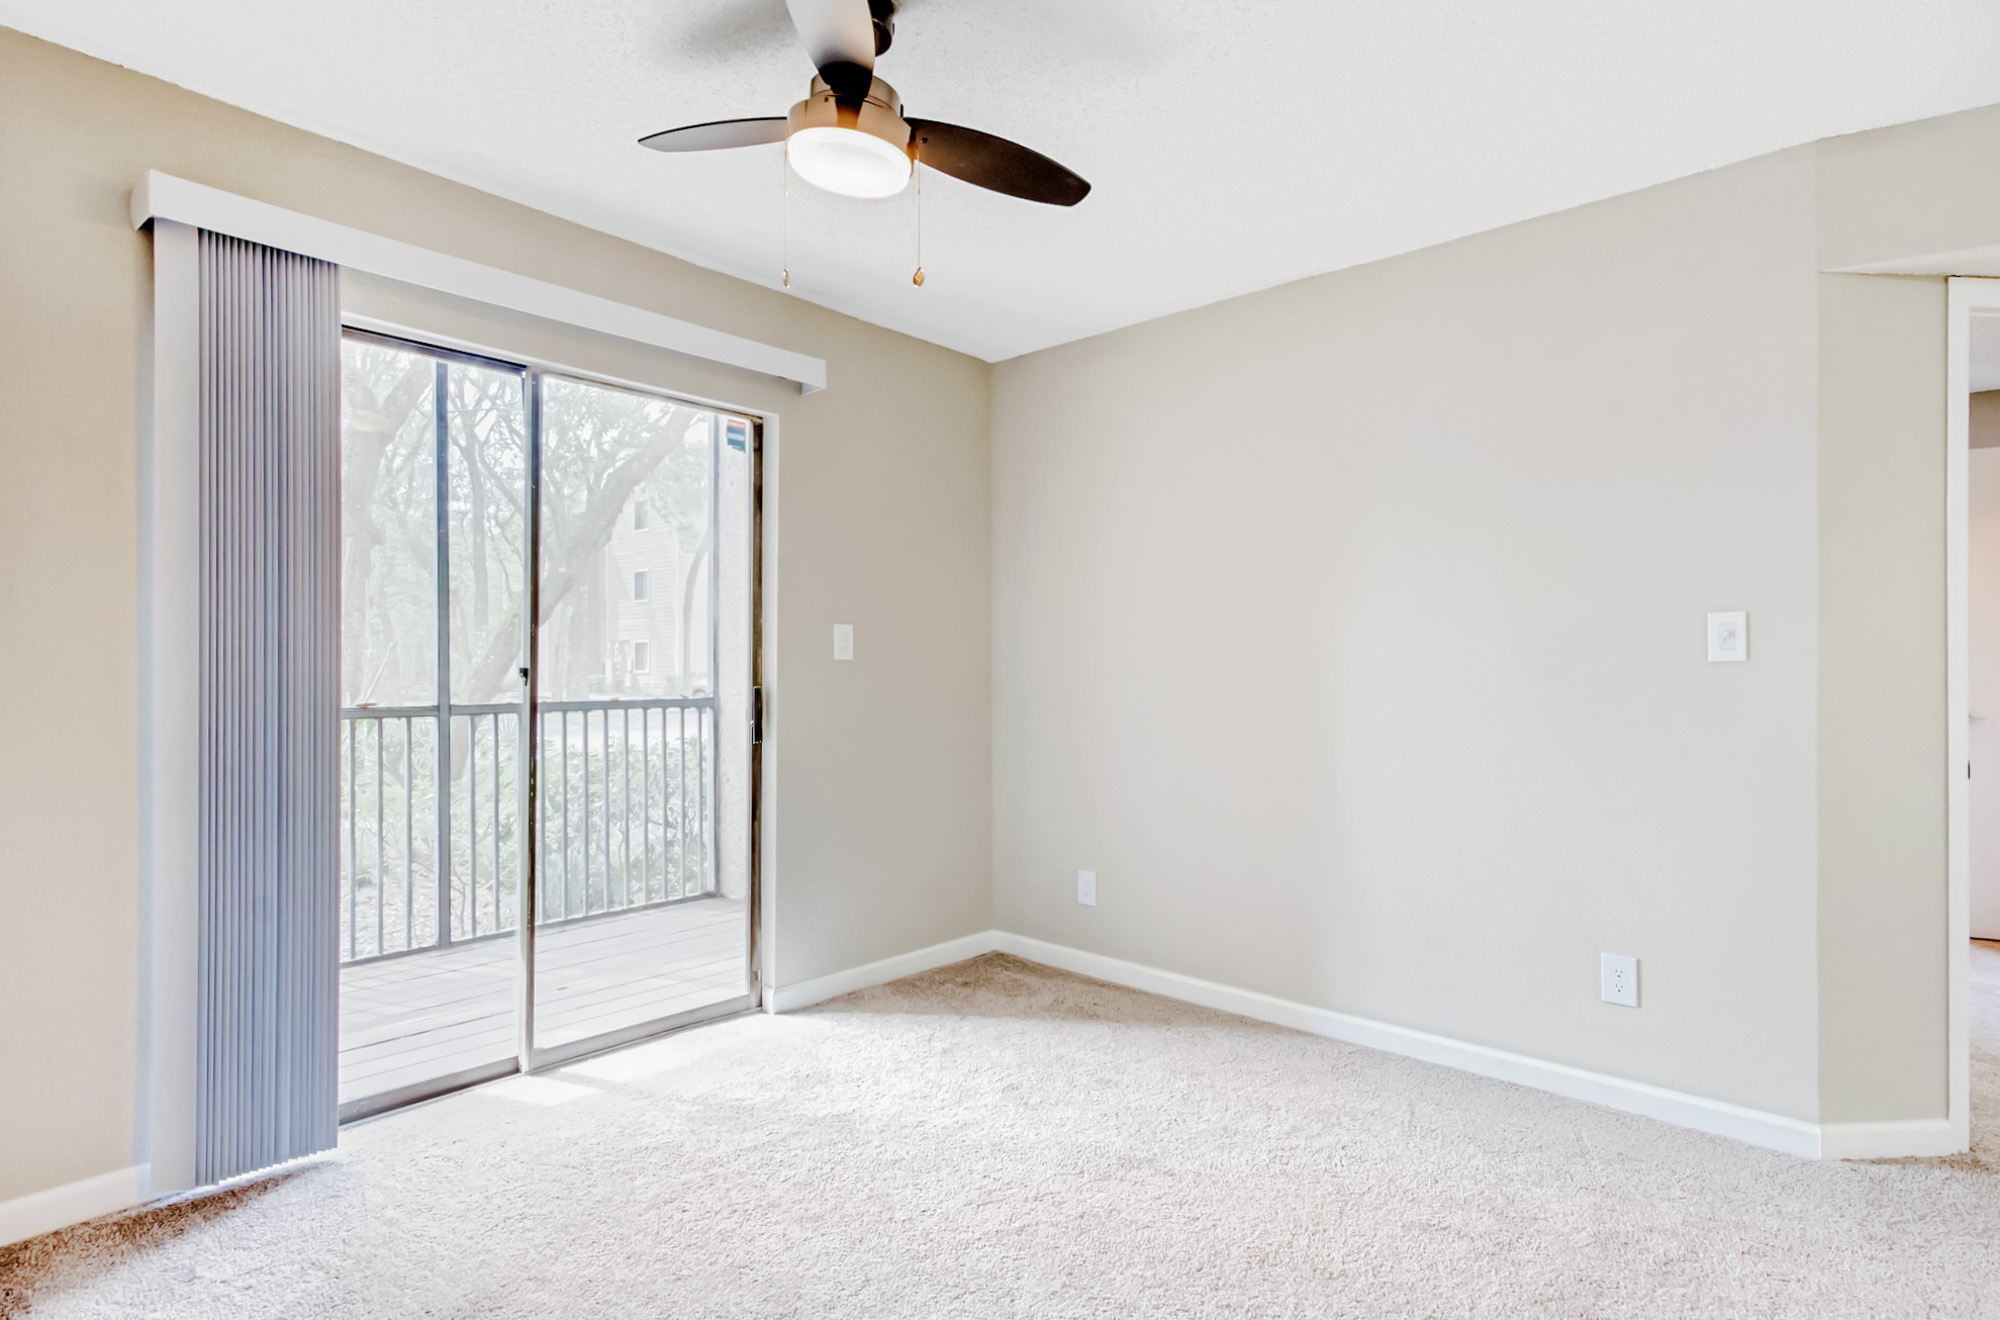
(267, 1026)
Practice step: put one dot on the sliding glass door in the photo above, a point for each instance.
(639, 739)
(433, 543)
(641, 899)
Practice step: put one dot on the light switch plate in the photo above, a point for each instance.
(1618, 978)
(843, 641)
(1728, 636)
(1086, 888)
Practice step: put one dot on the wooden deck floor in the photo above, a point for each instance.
(411, 1019)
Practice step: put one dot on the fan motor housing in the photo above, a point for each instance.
(882, 13)
(880, 115)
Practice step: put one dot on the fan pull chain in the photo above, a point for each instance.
(785, 219)
(917, 168)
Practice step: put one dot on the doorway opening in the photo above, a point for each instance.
(548, 602)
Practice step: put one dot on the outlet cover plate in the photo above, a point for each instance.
(843, 641)
(1618, 978)
(1086, 888)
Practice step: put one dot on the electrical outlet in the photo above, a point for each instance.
(1086, 888)
(1618, 979)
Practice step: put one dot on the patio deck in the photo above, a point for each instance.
(414, 1018)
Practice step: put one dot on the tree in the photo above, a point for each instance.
(386, 467)
(601, 449)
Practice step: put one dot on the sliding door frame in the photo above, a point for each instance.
(526, 755)
(529, 1055)
(532, 1056)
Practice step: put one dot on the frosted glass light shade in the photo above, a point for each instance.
(848, 161)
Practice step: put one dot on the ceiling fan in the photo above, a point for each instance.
(849, 135)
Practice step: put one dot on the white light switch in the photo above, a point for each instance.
(843, 641)
(1618, 979)
(1729, 636)
(1086, 888)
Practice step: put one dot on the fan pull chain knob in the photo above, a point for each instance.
(917, 170)
(788, 277)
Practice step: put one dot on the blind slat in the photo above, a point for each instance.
(270, 698)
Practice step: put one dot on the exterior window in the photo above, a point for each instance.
(642, 586)
(639, 517)
(640, 661)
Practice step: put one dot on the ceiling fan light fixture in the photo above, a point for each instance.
(849, 135)
(848, 161)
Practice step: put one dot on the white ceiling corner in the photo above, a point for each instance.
(1233, 145)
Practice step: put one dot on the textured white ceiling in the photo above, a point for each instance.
(1234, 144)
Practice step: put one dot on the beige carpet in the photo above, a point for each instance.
(997, 1140)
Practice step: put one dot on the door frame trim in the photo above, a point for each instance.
(1965, 296)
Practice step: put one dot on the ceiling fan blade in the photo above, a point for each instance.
(835, 31)
(718, 135)
(995, 163)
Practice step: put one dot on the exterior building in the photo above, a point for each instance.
(655, 599)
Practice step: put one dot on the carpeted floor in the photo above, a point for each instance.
(996, 1139)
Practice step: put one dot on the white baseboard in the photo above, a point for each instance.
(785, 998)
(1795, 1136)
(1888, 1141)
(1792, 1135)
(72, 1203)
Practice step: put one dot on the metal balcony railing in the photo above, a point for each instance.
(627, 817)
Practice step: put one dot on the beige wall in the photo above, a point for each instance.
(1904, 192)
(1353, 632)
(1889, 195)
(1364, 602)
(882, 766)
(1882, 699)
